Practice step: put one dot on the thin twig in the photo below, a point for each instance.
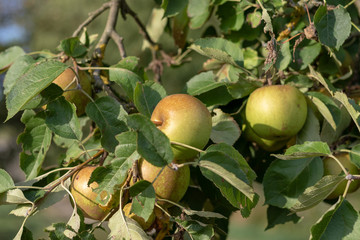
(119, 43)
(91, 18)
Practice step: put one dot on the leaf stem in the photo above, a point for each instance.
(339, 163)
(347, 5)
(354, 25)
(187, 146)
(346, 188)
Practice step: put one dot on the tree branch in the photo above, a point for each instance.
(91, 18)
(119, 43)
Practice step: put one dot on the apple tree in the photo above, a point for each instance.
(275, 102)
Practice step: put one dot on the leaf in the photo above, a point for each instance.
(152, 144)
(147, 96)
(204, 214)
(224, 128)
(126, 75)
(9, 55)
(47, 95)
(341, 221)
(276, 215)
(13, 196)
(31, 83)
(267, 19)
(285, 181)
(284, 57)
(61, 118)
(6, 182)
(333, 27)
(311, 129)
(110, 117)
(251, 58)
(202, 83)
(173, 7)
(306, 54)
(196, 230)
(155, 26)
(198, 12)
(305, 150)
(122, 227)
(254, 19)
(143, 195)
(315, 194)
(231, 16)
(327, 107)
(35, 140)
(355, 155)
(73, 47)
(220, 49)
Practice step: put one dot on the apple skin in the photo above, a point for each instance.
(184, 119)
(276, 112)
(140, 220)
(77, 97)
(170, 184)
(332, 168)
(85, 198)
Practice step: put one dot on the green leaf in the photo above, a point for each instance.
(355, 155)
(31, 83)
(224, 128)
(251, 58)
(327, 107)
(147, 96)
(254, 19)
(44, 97)
(35, 141)
(127, 144)
(231, 16)
(8, 56)
(152, 144)
(143, 195)
(73, 47)
(202, 83)
(126, 74)
(315, 194)
(276, 215)
(61, 118)
(306, 54)
(198, 12)
(333, 27)
(341, 221)
(285, 181)
(20, 66)
(305, 150)
(284, 57)
(173, 7)
(13, 196)
(6, 182)
(220, 49)
(196, 230)
(267, 19)
(122, 227)
(110, 117)
(311, 129)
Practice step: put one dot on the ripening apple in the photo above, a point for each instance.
(170, 184)
(184, 119)
(66, 81)
(331, 167)
(138, 219)
(276, 112)
(85, 197)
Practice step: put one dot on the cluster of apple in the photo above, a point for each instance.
(272, 118)
(186, 121)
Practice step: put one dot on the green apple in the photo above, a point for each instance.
(170, 184)
(66, 81)
(331, 167)
(276, 112)
(85, 197)
(184, 119)
(138, 219)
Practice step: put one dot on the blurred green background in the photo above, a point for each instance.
(37, 25)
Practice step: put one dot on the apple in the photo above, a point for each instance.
(85, 197)
(276, 112)
(331, 167)
(265, 144)
(65, 81)
(170, 184)
(184, 119)
(138, 219)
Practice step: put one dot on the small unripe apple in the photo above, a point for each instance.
(276, 112)
(85, 197)
(170, 184)
(331, 167)
(138, 219)
(65, 81)
(184, 119)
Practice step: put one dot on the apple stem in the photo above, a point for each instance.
(338, 162)
(346, 188)
(157, 122)
(188, 146)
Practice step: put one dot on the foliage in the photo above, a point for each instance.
(247, 44)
